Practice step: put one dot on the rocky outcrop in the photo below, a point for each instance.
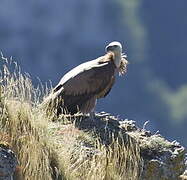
(113, 142)
(8, 163)
(160, 158)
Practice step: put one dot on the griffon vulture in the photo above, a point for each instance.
(79, 89)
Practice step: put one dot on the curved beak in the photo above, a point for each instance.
(108, 48)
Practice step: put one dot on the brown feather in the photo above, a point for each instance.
(92, 80)
(123, 66)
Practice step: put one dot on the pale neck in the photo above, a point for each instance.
(117, 59)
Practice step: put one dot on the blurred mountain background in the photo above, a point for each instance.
(48, 38)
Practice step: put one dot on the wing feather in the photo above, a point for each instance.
(90, 77)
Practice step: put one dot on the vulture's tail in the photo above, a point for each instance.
(53, 103)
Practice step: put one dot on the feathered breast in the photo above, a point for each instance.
(110, 57)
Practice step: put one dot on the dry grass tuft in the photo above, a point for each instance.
(85, 157)
(114, 162)
(23, 125)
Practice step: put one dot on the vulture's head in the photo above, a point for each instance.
(114, 47)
